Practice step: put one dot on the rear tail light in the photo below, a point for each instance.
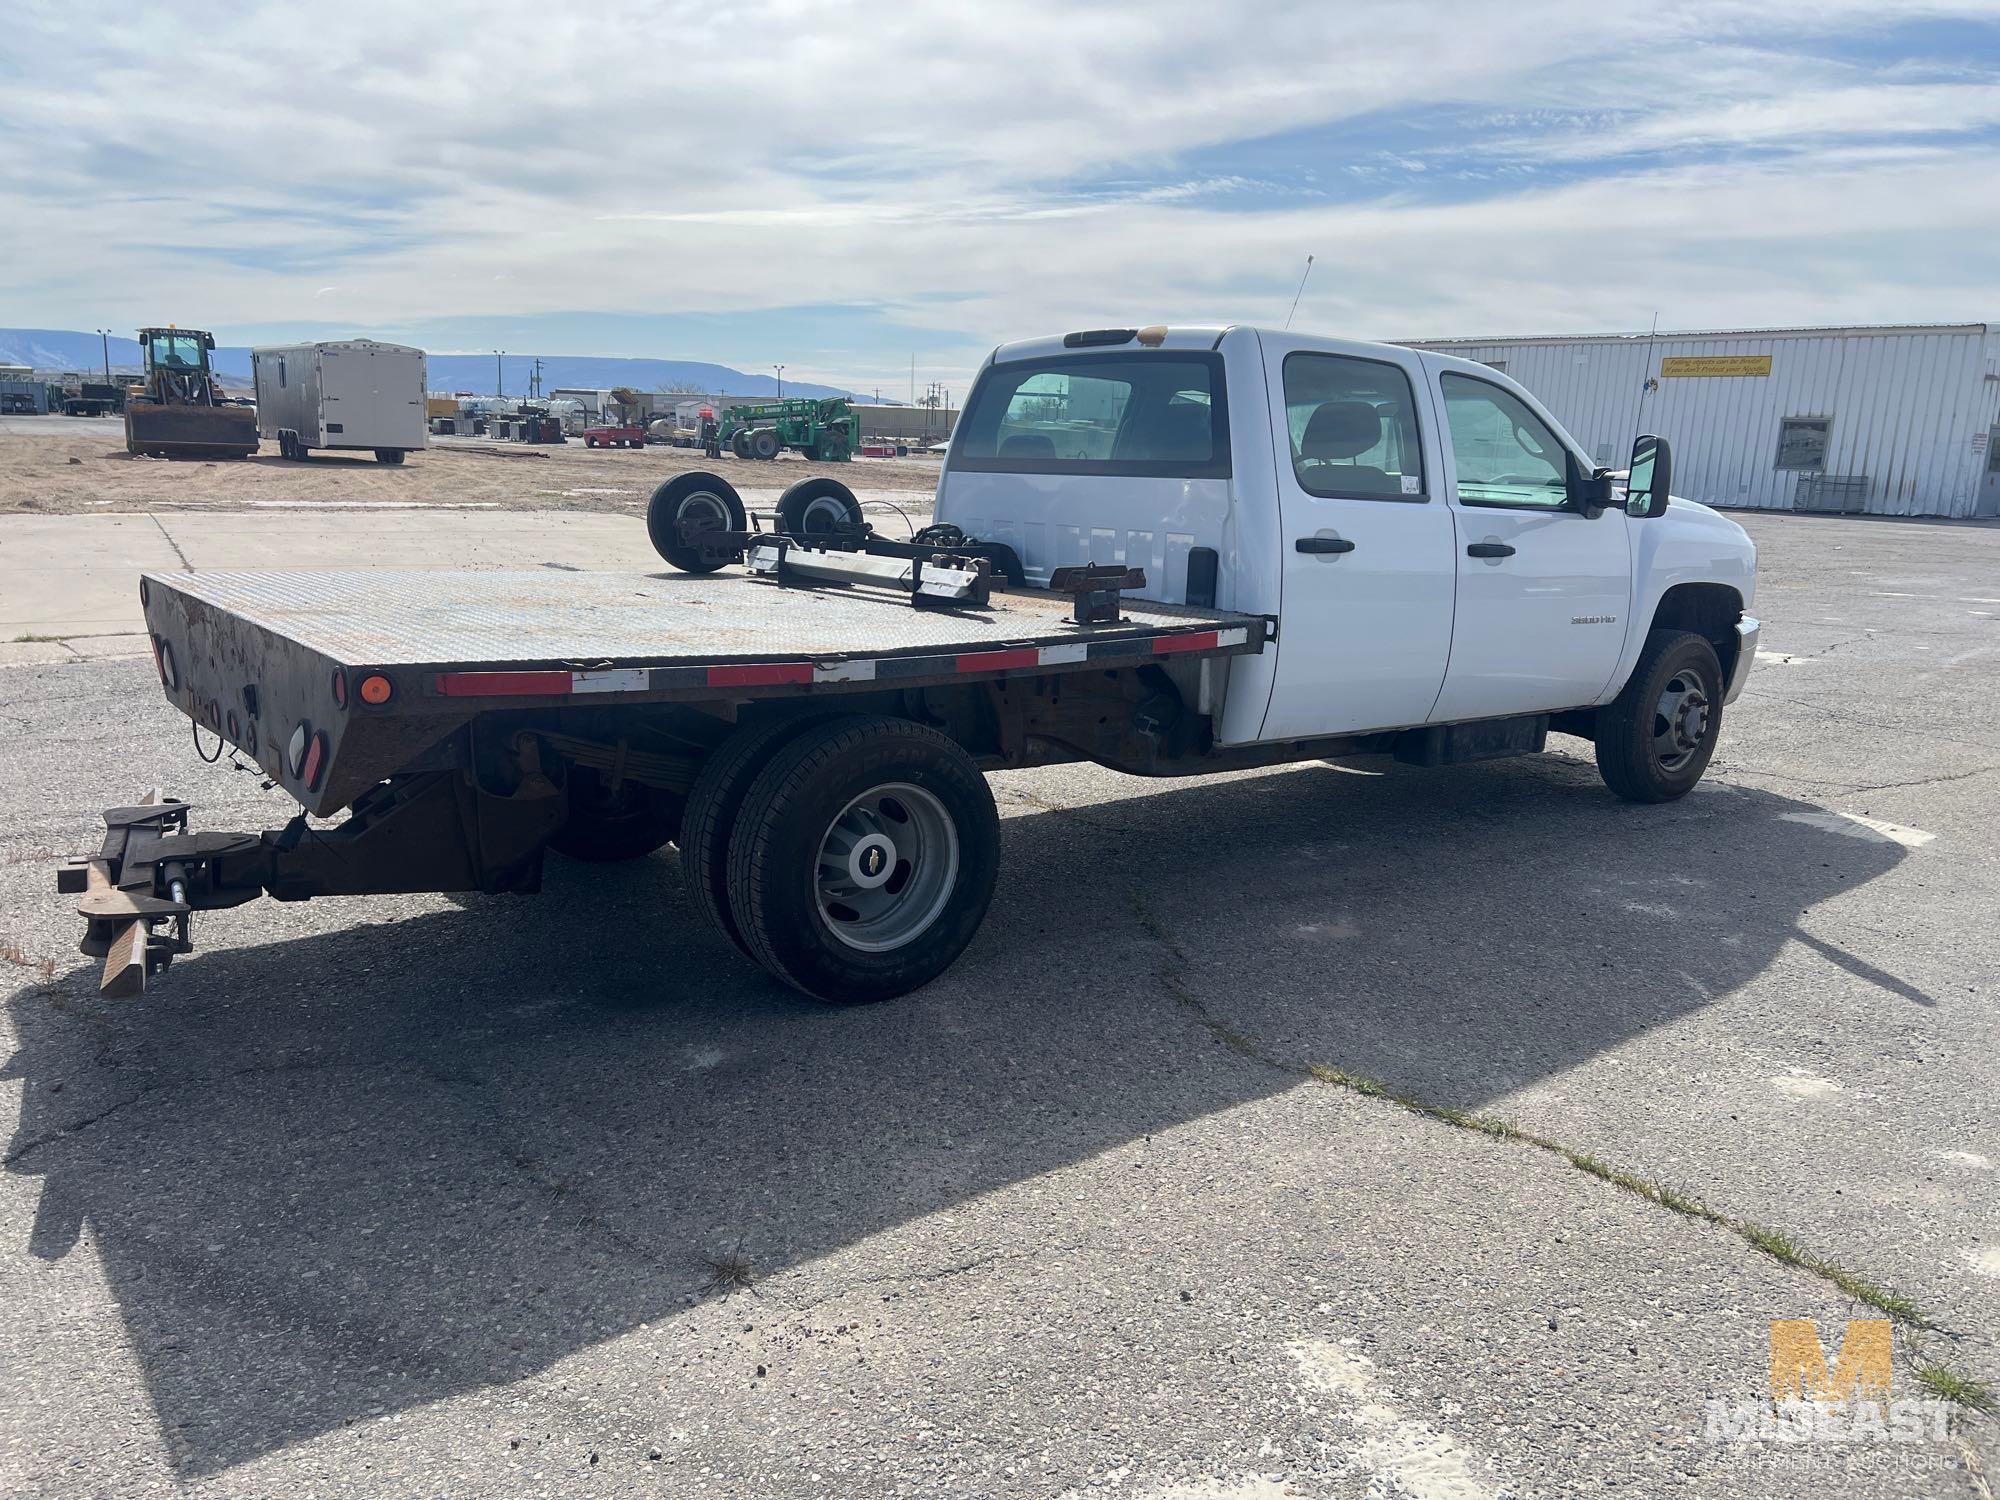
(339, 688)
(295, 748)
(163, 657)
(377, 689)
(315, 765)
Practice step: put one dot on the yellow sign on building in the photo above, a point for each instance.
(1684, 365)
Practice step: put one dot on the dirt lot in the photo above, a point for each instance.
(67, 466)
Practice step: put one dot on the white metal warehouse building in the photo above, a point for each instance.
(1899, 421)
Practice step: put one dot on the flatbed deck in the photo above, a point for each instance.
(552, 617)
(370, 667)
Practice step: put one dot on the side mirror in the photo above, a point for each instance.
(1588, 490)
(1647, 486)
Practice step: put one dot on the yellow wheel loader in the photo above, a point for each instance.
(179, 413)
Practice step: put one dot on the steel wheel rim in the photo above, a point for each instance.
(886, 867)
(701, 511)
(823, 513)
(1681, 719)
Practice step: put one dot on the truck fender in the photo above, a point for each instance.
(1692, 569)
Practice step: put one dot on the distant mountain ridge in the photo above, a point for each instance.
(57, 349)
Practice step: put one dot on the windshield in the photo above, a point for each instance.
(177, 351)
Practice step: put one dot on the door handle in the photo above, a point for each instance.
(1323, 544)
(1489, 549)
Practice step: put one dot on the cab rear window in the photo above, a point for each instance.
(1142, 415)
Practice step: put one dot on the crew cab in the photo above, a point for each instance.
(1166, 550)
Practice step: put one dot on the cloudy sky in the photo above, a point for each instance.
(842, 188)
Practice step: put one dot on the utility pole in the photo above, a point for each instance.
(913, 380)
(538, 378)
(781, 380)
(104, 338)
(499, 378)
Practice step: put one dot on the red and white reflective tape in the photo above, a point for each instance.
(617, 680)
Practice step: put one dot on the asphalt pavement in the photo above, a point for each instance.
(511, 1196)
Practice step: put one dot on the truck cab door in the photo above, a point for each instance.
(1543, 588)
(1366, 574)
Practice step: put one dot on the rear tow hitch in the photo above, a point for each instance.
(135, 890)
(432, 831)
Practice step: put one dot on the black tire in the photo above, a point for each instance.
(832, 449)
(604, 827)
(388, 455)
(1655, 738)
(764, 444)
(696, 496)
(945, 848)
(712, 807)
(814, 506)
(739, 442)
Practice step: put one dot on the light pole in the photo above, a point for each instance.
(499, 378)
(781, 380)
(104, 338)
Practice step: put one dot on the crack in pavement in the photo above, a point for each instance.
(176, 1085)
(1846, 717)
(1765, 1241)
(1849, 786)
(926, 1278)
(186, 566)
(1076, 813)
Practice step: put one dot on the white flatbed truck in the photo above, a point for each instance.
(1168, 551)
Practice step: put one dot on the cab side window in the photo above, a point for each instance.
(1505, 454)
(1353, 427)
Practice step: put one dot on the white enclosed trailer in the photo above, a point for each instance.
(353, 394)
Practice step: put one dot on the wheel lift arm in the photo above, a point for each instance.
(435, 831)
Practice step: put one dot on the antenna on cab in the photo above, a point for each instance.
(1300, 292)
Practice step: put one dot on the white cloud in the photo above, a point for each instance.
(990, 170)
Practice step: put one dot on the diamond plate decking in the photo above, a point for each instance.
(555, 617)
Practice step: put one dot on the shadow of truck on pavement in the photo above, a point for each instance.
(363, 1169)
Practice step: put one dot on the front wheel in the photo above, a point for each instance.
(1655, 738)
(864, 859)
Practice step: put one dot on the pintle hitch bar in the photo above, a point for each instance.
(135, 890)
(433, 831)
